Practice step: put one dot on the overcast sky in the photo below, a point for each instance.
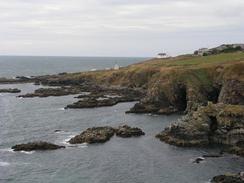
(117, 27)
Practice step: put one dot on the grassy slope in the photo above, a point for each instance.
(186, 68)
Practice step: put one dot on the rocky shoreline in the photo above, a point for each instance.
(209, 90)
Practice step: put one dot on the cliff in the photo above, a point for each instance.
(174, 84)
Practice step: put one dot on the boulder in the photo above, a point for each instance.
(32, 146)
(127, 131)
(93, 135)
(10, 90)
(228, 178)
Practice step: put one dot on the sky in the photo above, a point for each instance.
(117, 27)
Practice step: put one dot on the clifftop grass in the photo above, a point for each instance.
(185, 68)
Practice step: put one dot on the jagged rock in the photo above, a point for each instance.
(198, 160)
(93, 135)
(127, 131)
(228, 178)
(232, 92)
(46, 92)
(213, 124)
(104, 98)
(10, 90)
(32, 146)
(91, 103)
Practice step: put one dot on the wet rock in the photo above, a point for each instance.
(127, 131)
(10, 90)
(46, 92)
(32, 146)
(98, 100)
(91, 103)
(228, 178)
(198, 160)
(93, 135)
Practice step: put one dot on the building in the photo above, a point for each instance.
(201, 51)
(116, 67)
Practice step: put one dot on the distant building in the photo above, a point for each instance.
(201, 51)
(116, 67)
(162, 55)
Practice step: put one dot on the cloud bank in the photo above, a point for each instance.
(117, 27)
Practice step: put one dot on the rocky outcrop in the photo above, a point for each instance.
(229, 178)
(126, 131)
(213, 124)
(93, 135)
(10, 90)
(32, 146)
(46, 92)
(103, 134)
(232, 92)
(91, 103)
(106, 97)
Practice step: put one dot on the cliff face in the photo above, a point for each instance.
(177, 84)
(212, 124)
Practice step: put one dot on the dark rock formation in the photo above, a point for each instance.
(106, 97)
(198, 160)
(46, 92)
(213, 124)
(127, 131)
(229, 178)
(92, 102)
(32, 146)
(10, 90)
(232, 92)
(93, 135)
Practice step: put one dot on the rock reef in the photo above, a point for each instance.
(103, 134)
(126, 131)
(10, 90)
(229, 178)
(93, 135)
(46, 92)
(40, 145)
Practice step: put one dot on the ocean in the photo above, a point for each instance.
(136, 160)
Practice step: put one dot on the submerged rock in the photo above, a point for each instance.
(93, 135)
(32, 146)
(10, 90)
(228, 178)
(127, 131)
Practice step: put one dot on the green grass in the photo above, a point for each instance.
(213, 59)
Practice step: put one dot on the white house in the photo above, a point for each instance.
(116, 67)
(201, 51)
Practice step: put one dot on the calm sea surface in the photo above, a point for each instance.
(133, 160)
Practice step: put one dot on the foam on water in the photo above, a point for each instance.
(7, 150)
(27, 152)
(3, 164)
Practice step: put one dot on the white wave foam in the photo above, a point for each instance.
(4, 163)
(27, 152)
(61, 109)
(66, 140)
(7, 150)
